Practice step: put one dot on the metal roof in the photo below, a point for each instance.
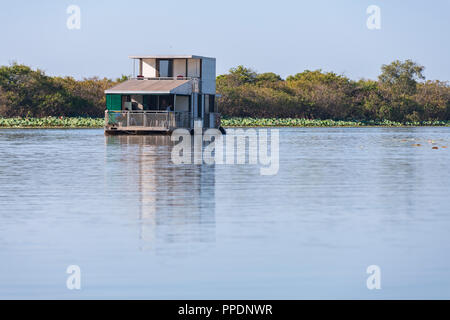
(169, 57)
(152, 87)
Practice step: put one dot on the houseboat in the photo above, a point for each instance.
(168, 93)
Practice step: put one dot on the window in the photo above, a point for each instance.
(165, 68)
(199, 106)
(212, 99)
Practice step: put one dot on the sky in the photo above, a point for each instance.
(285, 37)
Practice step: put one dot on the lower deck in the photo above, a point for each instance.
(117, 122)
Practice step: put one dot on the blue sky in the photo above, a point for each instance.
(281, 36)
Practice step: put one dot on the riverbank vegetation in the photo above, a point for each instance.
(92, 123)
(400, 96)
(52, 122)
(294, 122)
(33, 94)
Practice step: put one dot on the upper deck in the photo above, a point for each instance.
(178, 67)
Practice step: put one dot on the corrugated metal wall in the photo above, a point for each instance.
(114, 102)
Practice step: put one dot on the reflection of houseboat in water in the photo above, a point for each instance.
(173, 205)
(170, 92)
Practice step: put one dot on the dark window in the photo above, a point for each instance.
(150, 102)
(212, 99)
(199, 109)
(146, 102)
(190, 104)
(166, 101)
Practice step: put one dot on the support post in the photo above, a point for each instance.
(175, 103)
(192, 110)
(201, 102)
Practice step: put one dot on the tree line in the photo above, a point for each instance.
(401, 93)
(25, 92)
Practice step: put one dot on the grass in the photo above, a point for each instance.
(83, 123)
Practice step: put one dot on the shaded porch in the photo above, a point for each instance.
(147, 120)
(158, 121)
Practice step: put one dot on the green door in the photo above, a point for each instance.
(114, 102)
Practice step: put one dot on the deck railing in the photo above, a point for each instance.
(156, 120)
(151, 120)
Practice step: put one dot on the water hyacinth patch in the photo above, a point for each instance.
(292, 122)
(52, 122)
(79, 122)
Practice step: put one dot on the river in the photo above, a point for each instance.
(140, 227)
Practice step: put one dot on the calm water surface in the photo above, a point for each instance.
(142, 227)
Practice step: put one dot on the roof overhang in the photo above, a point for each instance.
(137, 92)
(169, 57)
(134, 86)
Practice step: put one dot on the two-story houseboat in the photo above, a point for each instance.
(169, 92)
